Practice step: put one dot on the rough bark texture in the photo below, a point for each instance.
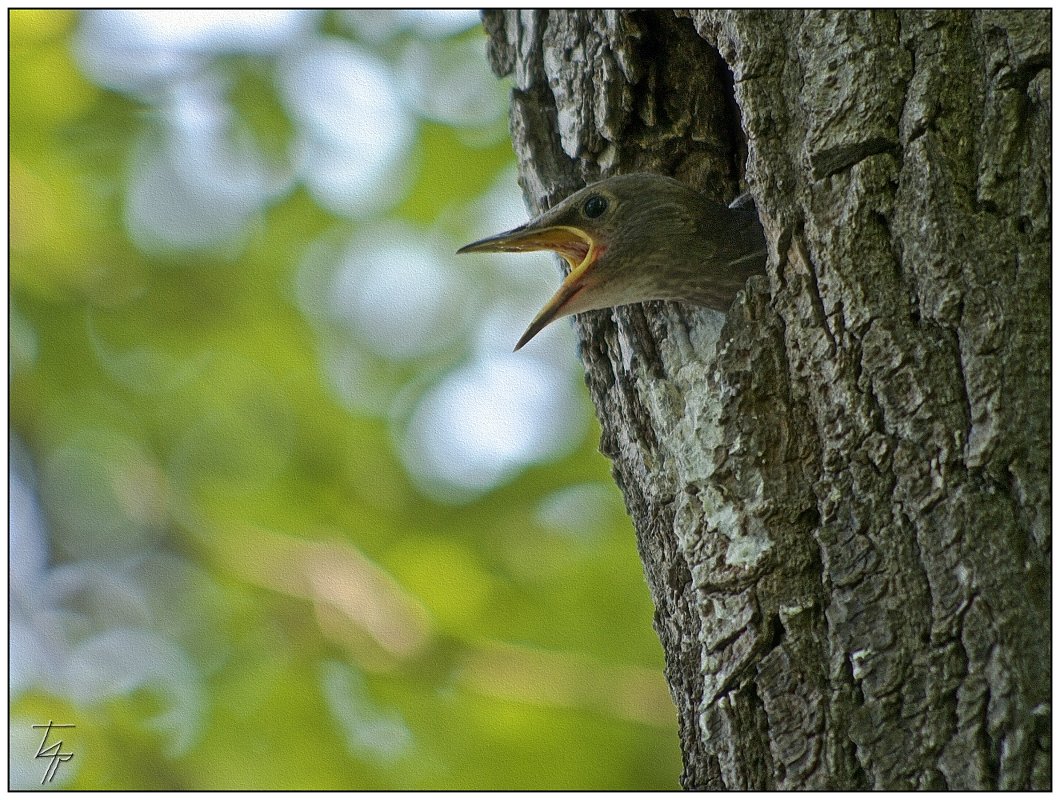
(841, 492)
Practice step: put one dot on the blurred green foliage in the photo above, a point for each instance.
(242, 586)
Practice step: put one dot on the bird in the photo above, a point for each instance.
(636, 237)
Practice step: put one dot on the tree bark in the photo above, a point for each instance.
(841, 491)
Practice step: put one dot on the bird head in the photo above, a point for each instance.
(620, 237)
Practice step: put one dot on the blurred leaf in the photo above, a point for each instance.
(254, 99)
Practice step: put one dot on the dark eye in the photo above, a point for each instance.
(594, 206)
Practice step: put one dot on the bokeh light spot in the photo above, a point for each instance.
(354, 131)
(486, 421)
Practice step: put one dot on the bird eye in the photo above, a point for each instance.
(594, 206)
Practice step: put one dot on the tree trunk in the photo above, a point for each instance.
(841, 490)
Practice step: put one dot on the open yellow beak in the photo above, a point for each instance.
(575, 245)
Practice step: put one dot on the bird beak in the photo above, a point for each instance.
(575, 245)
